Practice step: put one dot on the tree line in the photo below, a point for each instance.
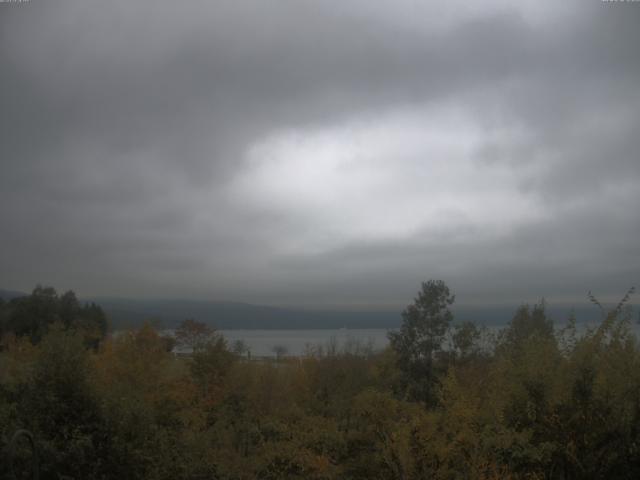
(444, 400)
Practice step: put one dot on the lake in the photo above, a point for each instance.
(262, 342)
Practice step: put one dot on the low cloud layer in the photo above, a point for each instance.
(320, 153)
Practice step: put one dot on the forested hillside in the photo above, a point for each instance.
(446, 400)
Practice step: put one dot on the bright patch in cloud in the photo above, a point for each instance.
(395, 177)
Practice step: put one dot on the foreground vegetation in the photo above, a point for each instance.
(443, 401)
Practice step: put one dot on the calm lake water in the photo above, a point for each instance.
(296, 342)
(262, 343)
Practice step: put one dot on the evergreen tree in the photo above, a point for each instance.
(424, 327)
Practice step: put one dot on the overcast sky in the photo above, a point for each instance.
(320, 153)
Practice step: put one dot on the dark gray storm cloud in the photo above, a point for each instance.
(320, 153)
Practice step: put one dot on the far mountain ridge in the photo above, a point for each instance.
(9, 294)
(235, 315)
(167, 313)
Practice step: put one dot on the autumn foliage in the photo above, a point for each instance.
(528, 402)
